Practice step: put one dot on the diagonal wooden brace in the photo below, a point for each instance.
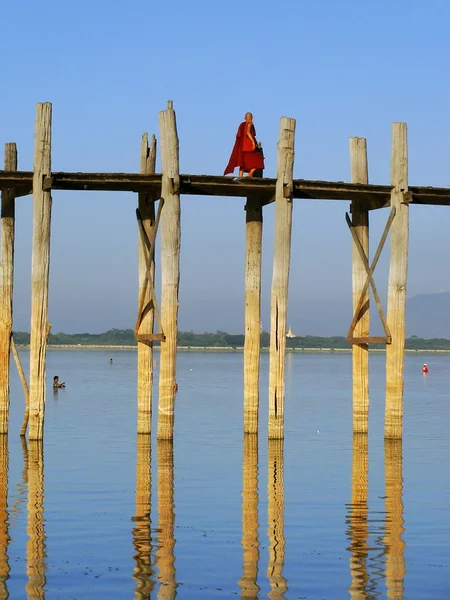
(370, 270)
(149, 244)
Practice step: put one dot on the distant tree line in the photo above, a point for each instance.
(125, 337)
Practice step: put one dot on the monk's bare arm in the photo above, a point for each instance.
(249, 135)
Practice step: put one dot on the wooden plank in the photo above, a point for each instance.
(150, 337)
(42, 205)
(147, 224)
(26, 389)
(395, 353)
(360, 350)
(253, 254)
(170, 270)
(369, 340)
(280, 277)
(6, 286)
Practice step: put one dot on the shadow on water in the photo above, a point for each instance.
(36, 549)
(372, 565)
(4, 524)
(275, 489)
(165, 556)
(143, 573)
(250, 523)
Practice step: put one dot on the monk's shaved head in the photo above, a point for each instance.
(248, 116)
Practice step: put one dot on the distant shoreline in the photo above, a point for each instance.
(228, 349)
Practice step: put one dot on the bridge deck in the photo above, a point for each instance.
(377, 196)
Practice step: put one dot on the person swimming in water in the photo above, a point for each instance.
(56, 384)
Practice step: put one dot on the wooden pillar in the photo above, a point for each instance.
(143, 573)
(170, 269)
(360, 352)
(395, 352)
(275, 509)
(358, 527)
(394, 543)
(146, 205)
(165, 555)
(253, 253)
(280, 278)
(6, 285)
(4, 518)
(250, 523)
(42, 205)
(36, 551)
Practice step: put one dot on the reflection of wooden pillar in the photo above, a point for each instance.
(170, 269)
(280, 276)
(4, 520)
(395, 546)
(165, 557)
(250, 524)
(142, 541)
(145, 350)
(6, 285)
(253, 253)
(395, 352)
(360, 352)
(36, 565)
(277, 582)
(357, 518)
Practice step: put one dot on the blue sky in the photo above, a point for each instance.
(346, 68)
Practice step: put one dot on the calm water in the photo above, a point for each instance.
(217, 516)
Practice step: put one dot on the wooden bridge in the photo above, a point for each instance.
(159, 202)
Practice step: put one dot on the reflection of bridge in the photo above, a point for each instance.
(167, 187)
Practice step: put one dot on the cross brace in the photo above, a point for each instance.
(387, 339)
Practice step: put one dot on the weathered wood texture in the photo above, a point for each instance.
(395, 352)
(26, 390)
(165, 554)
(253, 254)
(393, 540)
(146, 205)
(250, 521)
(360, 352)
(275, 512)
(170, 270)
(280, 278)
(36, 550)
(358, 510)
(42, 205)
(4, 518)
(143, 573)
(6, 285)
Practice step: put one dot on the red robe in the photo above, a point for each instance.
(242, 155)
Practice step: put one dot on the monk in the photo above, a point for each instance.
(246, 154)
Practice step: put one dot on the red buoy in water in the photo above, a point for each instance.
(424, 369)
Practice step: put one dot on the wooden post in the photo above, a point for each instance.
(42, 205)
(143, 573)
(280, 278)
(250, 523)
(358, 528)
(146, 205)
(393, 540)
(395, 352)
(253, 253)
(4, 517)
(275, 510)
(170, 269)
(6, 286)
(165, 556)
(36, 552)
(360, 352)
